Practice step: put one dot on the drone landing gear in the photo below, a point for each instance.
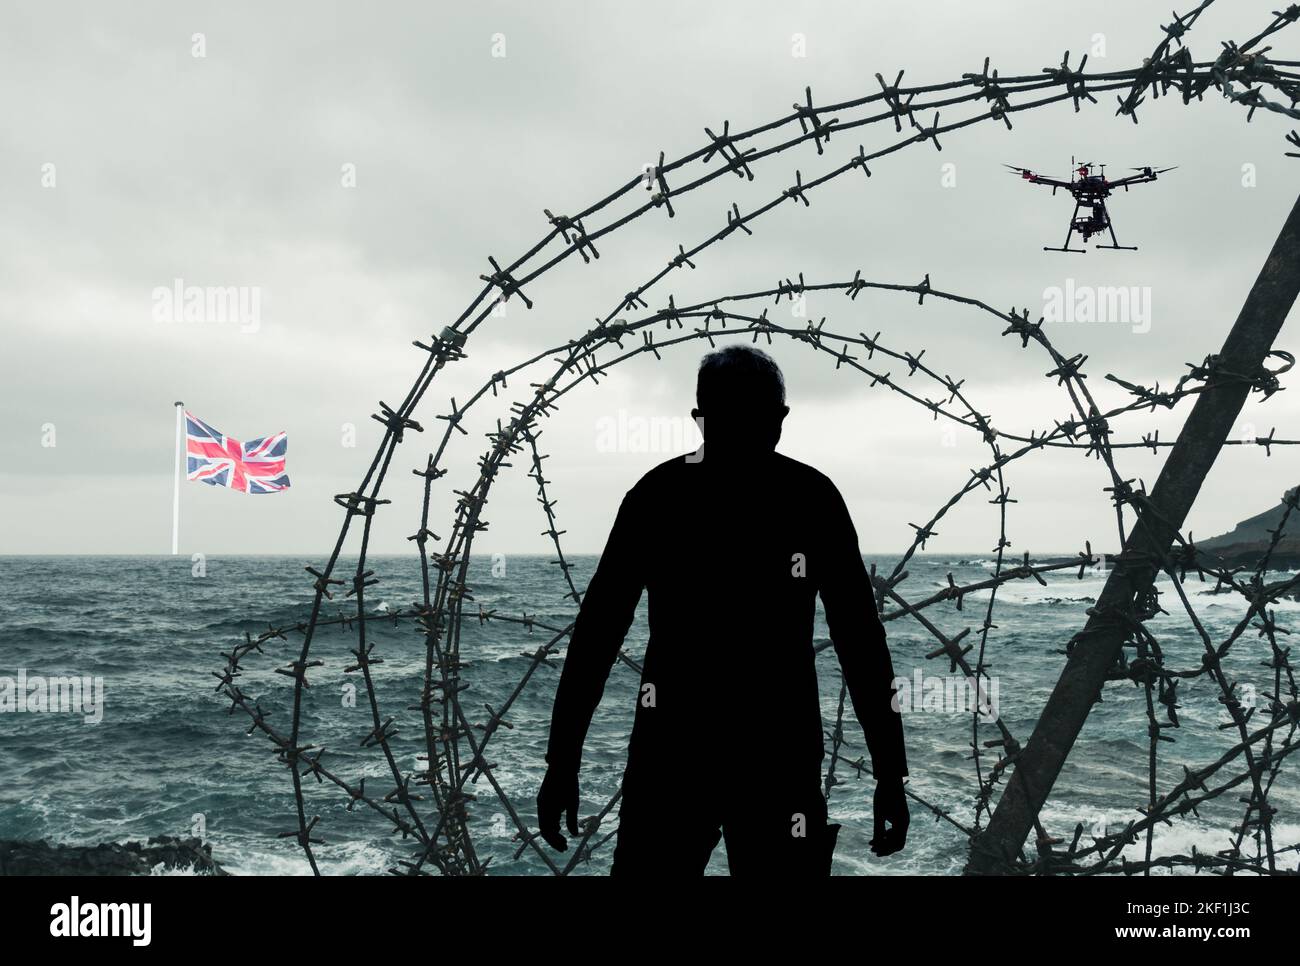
(1116, 246)
(1068, 235)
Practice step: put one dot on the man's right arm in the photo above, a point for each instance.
(603, 621)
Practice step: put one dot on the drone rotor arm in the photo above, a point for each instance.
(1132, 179)
(1054, 182)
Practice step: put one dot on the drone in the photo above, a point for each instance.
(1090, 191)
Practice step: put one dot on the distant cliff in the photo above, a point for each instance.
(1245, 543)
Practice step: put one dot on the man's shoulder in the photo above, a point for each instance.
(663, 474)
(788, 472)
(671, 466)
(803, 474)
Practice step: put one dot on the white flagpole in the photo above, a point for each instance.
(176, 484)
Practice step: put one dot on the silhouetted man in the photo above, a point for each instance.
(733, 543)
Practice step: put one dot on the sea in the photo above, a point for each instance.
(163, 754)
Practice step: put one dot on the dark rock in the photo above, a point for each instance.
(1246, 543)
(1248, 554)
(109, 858)
(1258, 528)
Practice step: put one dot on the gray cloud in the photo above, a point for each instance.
(225, 170)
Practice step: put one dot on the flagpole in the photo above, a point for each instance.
(176, 483)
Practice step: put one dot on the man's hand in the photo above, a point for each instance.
(889, 805)
(559, 793)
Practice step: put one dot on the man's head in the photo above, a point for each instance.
(740, 400)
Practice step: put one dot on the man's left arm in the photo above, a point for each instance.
(859, 639)
(858, 636)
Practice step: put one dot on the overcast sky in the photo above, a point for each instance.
(127, 162)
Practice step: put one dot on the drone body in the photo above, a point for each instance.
(1090, 191)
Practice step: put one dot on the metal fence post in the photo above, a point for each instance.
(1099, 645)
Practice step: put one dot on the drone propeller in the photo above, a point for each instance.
(1150, 170)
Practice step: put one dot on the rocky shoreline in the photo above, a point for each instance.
(1285, 556)
(19, 857)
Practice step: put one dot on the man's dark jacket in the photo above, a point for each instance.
(733, 556)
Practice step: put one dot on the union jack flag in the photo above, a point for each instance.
(253, 467)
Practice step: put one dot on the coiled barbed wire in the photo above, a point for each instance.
(455, 745)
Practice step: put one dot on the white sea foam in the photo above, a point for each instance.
(1179, 839)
